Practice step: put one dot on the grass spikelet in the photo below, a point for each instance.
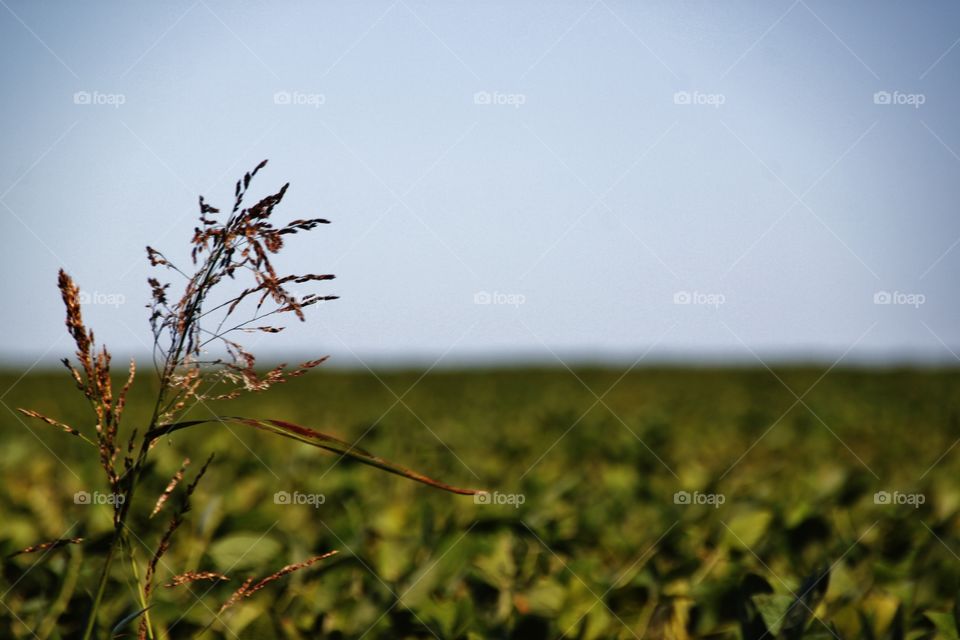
(75, 327)
(237, 595)
(193, 576)
(122, 399)
(248, 588)
(55, 423)
(177, 477)
(53, 544)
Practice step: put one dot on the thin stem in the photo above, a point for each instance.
(173, 358)
(116, 538)
(141, 596)
(101, 586)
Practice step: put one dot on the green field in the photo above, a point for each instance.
(599, 547)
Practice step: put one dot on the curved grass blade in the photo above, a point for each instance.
(316, 439)
(127, 620)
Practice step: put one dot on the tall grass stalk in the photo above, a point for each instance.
(230, 289)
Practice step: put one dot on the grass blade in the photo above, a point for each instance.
(316, 439)
(127, 620)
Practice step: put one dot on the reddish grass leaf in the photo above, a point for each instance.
(316, 439)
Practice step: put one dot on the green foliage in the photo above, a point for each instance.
(598, 549)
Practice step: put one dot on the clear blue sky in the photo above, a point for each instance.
(589, 163)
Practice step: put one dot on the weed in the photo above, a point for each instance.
(236, 248)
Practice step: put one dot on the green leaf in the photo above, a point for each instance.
(546, 598)
(752, 626)
(956, 611)
(810, 594)
(244, 551)
(316, 439)
(745, 529)
(773, 609)
(946, 628)
(448, 617)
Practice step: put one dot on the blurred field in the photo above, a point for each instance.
(598, 549)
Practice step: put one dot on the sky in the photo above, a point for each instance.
(548, 182)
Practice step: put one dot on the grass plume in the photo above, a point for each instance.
(192, 316)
